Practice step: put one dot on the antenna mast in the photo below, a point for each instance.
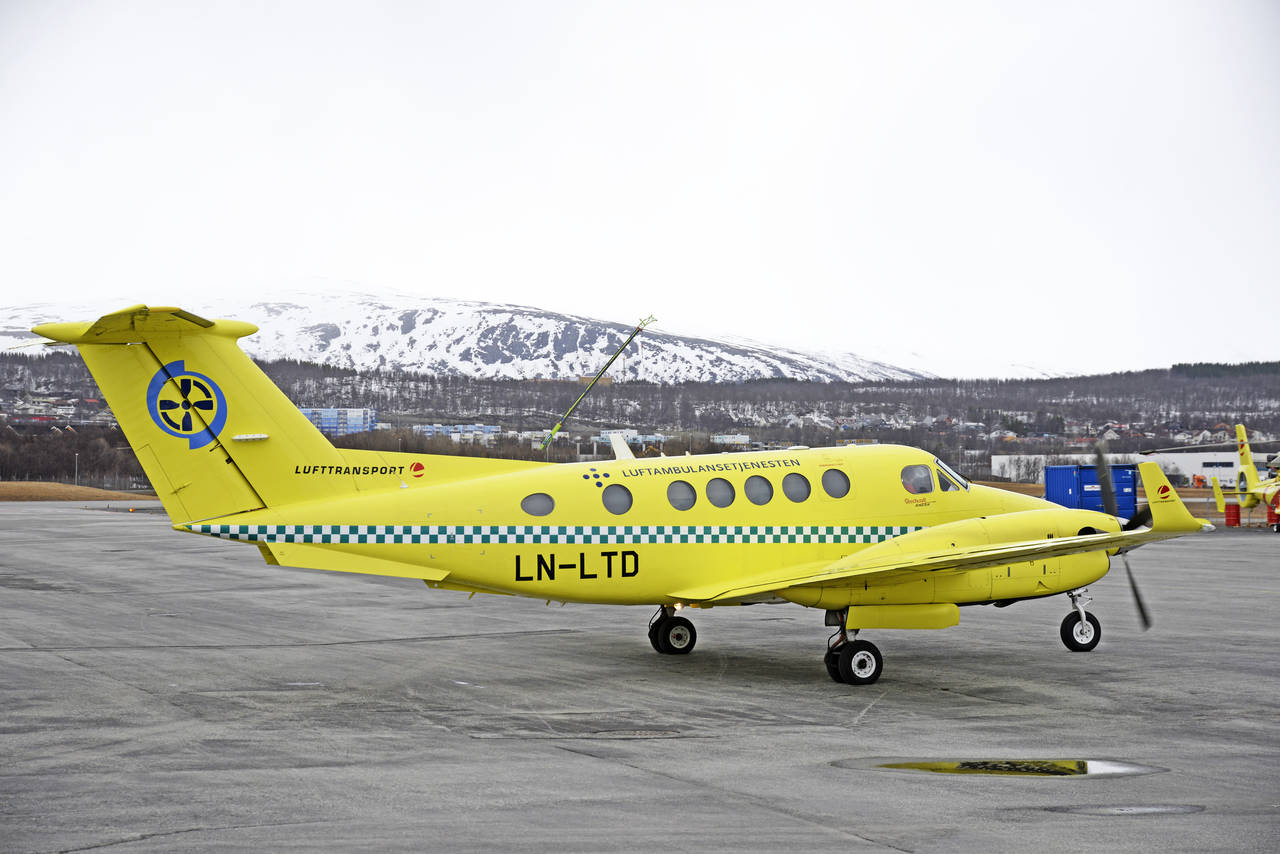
(560, 424)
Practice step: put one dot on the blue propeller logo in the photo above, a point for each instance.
(186, 404)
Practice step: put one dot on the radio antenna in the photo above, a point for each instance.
(560, 424)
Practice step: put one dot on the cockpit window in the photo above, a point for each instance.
(946, 484)
(917, 479)
(951, 473)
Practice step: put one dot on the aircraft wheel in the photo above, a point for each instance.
(653, 633)
(1078, 636)
(676, 636)
(860, 662)
(832, 661)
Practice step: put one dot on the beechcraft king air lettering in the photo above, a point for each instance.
(877, 537)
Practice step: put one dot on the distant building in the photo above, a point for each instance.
(1195, 467)
(629, 436)
(481, 434)
(730, 440)
(339, 422)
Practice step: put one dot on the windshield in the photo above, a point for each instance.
(952, 473)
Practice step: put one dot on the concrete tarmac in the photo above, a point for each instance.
(166, 692)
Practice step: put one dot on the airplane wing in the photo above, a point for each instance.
(976, 557)
(621, 450)
(1170, 518)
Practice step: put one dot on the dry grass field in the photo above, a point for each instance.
(17, 490)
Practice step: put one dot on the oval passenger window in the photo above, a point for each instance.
(759, 490)
(617, 498)
(538, 504)
(720, 492)
(836, 483)
(681, 495)
(796, 487)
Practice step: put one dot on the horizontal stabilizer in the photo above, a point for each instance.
(329, 558)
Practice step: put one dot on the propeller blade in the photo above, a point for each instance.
(186, 423)
(1104, 480)
(1143, 615)
(1141, 519)
(184, 386)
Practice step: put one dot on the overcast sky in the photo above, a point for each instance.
(966, 187)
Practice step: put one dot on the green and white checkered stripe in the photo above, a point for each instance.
(555, 535)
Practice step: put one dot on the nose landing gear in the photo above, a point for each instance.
(1080, 630)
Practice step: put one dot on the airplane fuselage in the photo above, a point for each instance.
(642, 531)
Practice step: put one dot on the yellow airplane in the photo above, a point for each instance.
(879, 537)
(1251, 490)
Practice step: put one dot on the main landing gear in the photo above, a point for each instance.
(671, 635)
(1080, 630)
(854, 662)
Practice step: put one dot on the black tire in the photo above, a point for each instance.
(1077, 637)
(653, 633)
(676, 636)
(832, 661)
(860, 662)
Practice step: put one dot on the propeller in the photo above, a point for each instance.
(1140, 519)
(1144, 616)
(1104, 480)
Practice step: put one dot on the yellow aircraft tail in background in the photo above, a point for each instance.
(242, 444)
(1250, 489)
(1248, 471)
(1218, 498)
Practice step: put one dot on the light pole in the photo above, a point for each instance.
(77, 468)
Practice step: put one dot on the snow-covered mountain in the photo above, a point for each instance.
(478, 339)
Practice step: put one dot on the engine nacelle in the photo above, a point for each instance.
(1040, 577)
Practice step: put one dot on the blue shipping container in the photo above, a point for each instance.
(1077, 487)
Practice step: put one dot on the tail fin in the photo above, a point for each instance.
(1218, 497)
(1248, 471)
(211, 430)
(1168, 513)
